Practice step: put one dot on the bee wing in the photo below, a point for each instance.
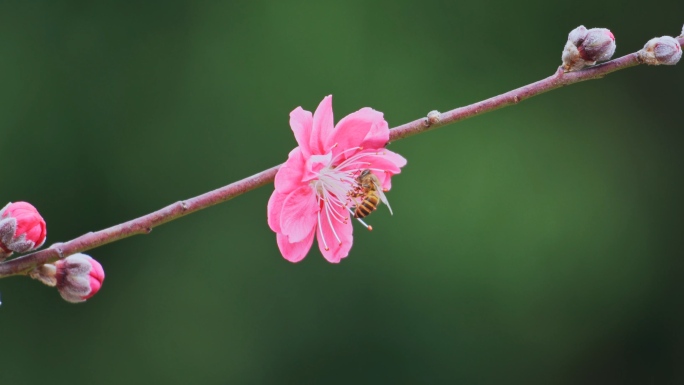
(382, 196)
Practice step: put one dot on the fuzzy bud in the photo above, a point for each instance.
(664, 50)
(22, 229)
(434, 117)
(585, 47)
(78, 277)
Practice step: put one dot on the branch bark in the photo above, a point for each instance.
(145, 224)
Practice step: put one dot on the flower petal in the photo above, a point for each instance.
(323, 126)
(336, 250)
(353, 129)
(274, 209)
(385, 180)
(301, 122)
(378, 160)
(289, 175)
(295, 252)
(299, 213)
(378, 136)
(388, 161)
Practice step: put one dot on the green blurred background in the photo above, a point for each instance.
(541, 243)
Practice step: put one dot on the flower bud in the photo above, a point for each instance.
(663, 50)
(22, 229)
(78, 277)
(585, 47)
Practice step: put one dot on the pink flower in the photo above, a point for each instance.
(317, 187)
(22, 229)
(78, 277)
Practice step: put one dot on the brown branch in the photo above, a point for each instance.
(145, 224)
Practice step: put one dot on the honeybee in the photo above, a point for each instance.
(371, 191)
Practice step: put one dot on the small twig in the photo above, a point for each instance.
(145, 224)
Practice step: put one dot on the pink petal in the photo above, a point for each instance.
(352, 130)
(388, 161)
(299, 213)
(301, 122)
(96, 270)
(378, 136)
(336, 250)
(380, 159)
(385, 180)
(274, 208)
(323, 126)
(387, 184)
(289, 176)
(295, 252)
(395, 158)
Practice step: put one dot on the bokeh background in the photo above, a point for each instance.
(541, 243)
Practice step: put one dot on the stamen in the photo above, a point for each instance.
(347, 150)
(350, 160)
(338, 217)
(370, 228)
(358, 156)
(320, 228)
(328, 197)
(327, 210)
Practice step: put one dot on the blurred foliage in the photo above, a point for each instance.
(536, 244)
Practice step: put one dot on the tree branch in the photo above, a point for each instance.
(145, 224)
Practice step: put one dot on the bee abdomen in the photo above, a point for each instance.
(367, 206)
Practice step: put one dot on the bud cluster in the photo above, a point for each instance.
(585, 47)
(77, 277)
(22, 229)
(664, 50)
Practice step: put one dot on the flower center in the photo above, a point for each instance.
(338, 189)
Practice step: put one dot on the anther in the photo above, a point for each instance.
(365, 224)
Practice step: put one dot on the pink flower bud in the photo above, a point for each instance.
(79, 277)
(585, 47)
(663, 50)
(22, 229)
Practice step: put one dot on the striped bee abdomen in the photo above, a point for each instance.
(369, 204)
